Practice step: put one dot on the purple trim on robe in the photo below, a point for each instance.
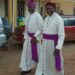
(34, 49)
(57, 57)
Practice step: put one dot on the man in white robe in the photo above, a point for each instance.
(32, 43)
(51, 60)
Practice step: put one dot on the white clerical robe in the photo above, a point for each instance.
(33, 25)
(53, 25)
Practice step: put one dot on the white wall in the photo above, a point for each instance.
(2, 10)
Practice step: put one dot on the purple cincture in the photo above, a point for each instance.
(34, 49)
(57, 57)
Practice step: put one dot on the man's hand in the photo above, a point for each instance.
(34, 40)
(56, 51)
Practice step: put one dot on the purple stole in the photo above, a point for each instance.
(57, 57)
(34, 49)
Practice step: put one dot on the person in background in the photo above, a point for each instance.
(32, 37)
(51, 59)
(61, 13)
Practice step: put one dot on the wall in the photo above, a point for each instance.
(66, 5)
(2, 10)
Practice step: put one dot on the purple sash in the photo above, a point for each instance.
(57, 57)
(34, 49)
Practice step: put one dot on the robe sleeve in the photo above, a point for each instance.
(61, 34)
(39, 22)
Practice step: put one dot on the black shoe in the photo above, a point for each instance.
(22, 73)
(25, 72)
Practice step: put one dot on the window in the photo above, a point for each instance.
(58, 8)
(6, 7)
(20, 8)
(74, 10)
(20, 12)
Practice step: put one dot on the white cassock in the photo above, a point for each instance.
(33, 25)
(53, 29)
